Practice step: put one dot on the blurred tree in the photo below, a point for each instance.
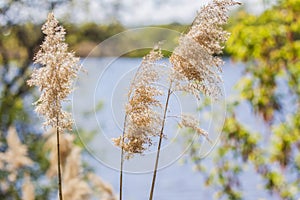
(17, 48)
(84, 37)
(269, 44)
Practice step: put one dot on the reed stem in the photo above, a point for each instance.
(159, 143)
(122, 161)
(58, 161)
(162, 131)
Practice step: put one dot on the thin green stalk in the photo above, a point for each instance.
(58, 161)
(159, 143)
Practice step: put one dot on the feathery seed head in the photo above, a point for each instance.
(55, 76)
(142, 121)
(189, 121)
(197, 67)
(75, 187)
(15, 156)
(28, 188)
(105, 190)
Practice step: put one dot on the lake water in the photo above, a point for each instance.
(106, 81)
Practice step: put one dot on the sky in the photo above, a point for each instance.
(131, 13)
(146, 12)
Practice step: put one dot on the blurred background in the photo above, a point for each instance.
(258, 155)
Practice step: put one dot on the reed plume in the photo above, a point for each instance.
(54, 78)
(75, 186)
(104, 189)
(196, 60)
(15, 157)
(28, 188)
(191, 122)
(197, 63)
(142, 121)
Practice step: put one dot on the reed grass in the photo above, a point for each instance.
(54, 78)
(197, 69)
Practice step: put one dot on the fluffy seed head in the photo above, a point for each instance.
(75, 187)
(101, 187)
(55, 76)
(197, 67)
(189, 121)
(142, 121)
(15, 156)
(28, 188)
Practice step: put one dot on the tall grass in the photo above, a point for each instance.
(196, 69)
(55, 77)
(58, 69)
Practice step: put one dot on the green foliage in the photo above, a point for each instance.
(17, 47)
(269, 44)
(83, 38)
